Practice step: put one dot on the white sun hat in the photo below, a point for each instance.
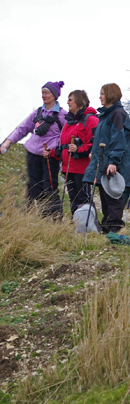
(114, 185)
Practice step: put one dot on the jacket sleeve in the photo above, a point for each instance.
(117, 145)
(85, 148)
(25, 127)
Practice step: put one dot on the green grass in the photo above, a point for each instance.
(5, 398)
(68, 393)
(12, 321)
(95, 397)
(8, 287)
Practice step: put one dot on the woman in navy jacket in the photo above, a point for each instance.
(110, 131)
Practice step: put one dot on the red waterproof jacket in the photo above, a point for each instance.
(85, 134)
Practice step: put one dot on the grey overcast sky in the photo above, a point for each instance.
(85, 43)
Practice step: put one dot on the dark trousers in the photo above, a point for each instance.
(39, 186)
(112, 210)
(76, 191)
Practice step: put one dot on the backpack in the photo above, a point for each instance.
(86, 118)
(43, 125)
(80, 218)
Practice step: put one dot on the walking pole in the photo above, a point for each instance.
(66, 176)
(128, 205)
(49, 168)
(101, 155)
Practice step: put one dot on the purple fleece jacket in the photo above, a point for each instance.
(35, 143)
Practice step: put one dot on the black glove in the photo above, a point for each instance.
(58, 151)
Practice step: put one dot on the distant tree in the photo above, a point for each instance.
(126, 105)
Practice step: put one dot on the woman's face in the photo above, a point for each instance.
(48, 97)
(102, 97)
(73, 107)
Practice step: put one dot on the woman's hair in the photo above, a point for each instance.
(81, 98)
(112, 93)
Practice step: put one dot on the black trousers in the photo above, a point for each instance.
(39, 186)
(112, 210)
(76, 191)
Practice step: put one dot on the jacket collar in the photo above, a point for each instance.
(72, 119)
(55, 108)
(106, 111)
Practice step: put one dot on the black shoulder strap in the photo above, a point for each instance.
(86, 118)
(55, 114)
(39, 116)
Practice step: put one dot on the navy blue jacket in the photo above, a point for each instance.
(110, 131)
(125, 168)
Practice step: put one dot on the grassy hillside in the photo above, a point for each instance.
(64, 301)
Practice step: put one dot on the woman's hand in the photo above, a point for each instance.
(72, 148)
(111, 169)
(5, 146)
(46, 153)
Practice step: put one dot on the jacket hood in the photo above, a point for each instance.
(90, 110)
(80, 113)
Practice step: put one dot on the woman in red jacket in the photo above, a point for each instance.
(81, 124)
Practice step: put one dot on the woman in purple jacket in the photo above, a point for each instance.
(45, 124)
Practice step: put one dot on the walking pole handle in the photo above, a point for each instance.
(102, 147)
(72, 139)
(102, 144)
(45, 145)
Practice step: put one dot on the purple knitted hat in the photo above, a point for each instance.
(55, 88)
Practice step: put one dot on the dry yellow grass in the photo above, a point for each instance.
(104, 349)
(26, 238)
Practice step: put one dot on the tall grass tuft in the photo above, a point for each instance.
(104, 347)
